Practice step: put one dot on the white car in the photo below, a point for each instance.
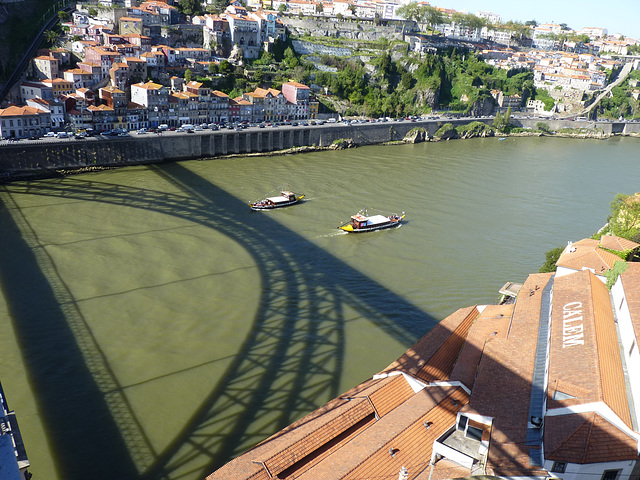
(49, 134)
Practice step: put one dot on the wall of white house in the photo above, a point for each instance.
(629, 341)
(575, 471)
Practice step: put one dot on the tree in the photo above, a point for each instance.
(282, 8)
(409, 11)
(543, 127)
(624, 220)
(552, 257)
(406, 81)
(432, 16)
(213, 68)
(190, 7)
(290, 58)
(63, 16)
(225, 67)
(217, 6)
(319, 7)
(92, 12)
(51, 37)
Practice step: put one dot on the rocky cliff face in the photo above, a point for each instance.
(363, 30)
(482, 107)
(427, 97)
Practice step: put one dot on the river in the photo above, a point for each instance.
(152, 326)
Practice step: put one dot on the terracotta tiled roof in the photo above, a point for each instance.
(587, 254)
(148, 86)
(587, 438)
(100, 108)
(631, 282)
(297, 451)
(584, 352)
(343, 439)
(493, 323)
(297, 85)
(18, 111)
(414, 444)
(618, 244)
(443, 470)
(442, 344)
(386, 399)
(502, 388)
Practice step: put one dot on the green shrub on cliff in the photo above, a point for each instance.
(446, 131)
(552, 257)
(474, 129)
(624, 220)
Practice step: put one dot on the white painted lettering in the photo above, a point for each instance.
(572, 341)
(566, 331)
(572, 328)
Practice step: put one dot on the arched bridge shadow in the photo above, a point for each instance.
(297, 334)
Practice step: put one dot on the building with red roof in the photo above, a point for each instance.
(546, 386)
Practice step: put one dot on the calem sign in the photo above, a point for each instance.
(572, 325)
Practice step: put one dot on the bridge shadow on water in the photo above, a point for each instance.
(290, 358)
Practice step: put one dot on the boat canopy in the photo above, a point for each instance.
(279, 199)
(375, 219)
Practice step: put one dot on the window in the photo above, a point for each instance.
(474, 433)
(559, 467)
(611, 474)
(462, 423)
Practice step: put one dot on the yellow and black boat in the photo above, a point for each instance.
(363, 223)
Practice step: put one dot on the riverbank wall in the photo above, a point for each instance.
(42, 157)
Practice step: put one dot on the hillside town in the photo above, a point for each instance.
(127, 66)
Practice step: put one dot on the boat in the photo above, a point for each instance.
(363, 223)
(285, 199)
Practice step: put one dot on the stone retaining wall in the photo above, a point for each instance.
(44, 157)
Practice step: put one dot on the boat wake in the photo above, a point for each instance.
(332, 234)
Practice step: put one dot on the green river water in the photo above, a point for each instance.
(152, 326)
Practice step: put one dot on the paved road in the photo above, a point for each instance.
(54, 140)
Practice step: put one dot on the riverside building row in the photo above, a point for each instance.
(153, 105)
(547, 386)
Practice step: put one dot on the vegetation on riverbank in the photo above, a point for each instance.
(623, 221)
